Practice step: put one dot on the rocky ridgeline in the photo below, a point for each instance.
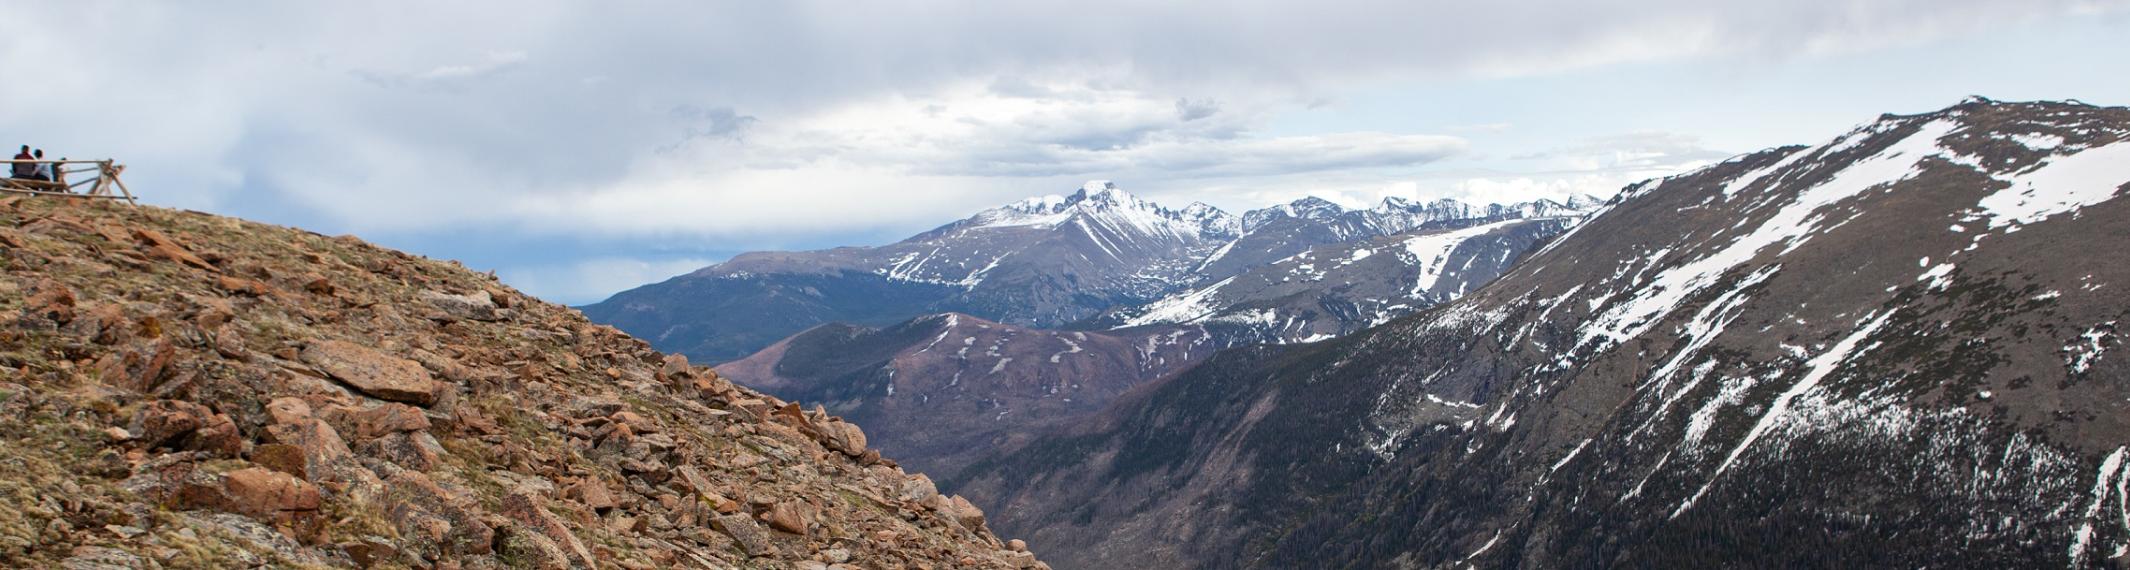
(185, 390)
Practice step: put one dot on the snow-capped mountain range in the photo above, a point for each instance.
(1896, 348)
(1046, 261)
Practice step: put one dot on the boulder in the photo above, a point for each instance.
(791, 516)
(750, 536)
(676, 366)
(964, 512)
(592, 494)
(919, 489)
(374, 373)
(843, 436)
(262, 494)
(477, 306)
(188, 426)
(376, 421)
(413, 450)
(326, 457)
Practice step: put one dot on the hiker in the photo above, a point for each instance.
(24, 170)
(42, 170)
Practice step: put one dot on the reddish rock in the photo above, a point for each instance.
(259, 491)
(288, 410)
(433, 521)
(527, 510)
(267, 496)
(592, 494)
(317, 284)
(377, 421)
(327, 459)
(212, 313)
(50, 300)
(790, 516)
(413, 450)
(374, 373)
(242, 286)
(282, 457)
(186, 425)
(218, 436)
(636, 422)
(160, 246)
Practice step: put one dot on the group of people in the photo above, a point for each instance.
(42, 171)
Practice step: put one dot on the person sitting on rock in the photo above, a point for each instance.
(24, 170)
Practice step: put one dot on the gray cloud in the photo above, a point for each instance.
(412, 117)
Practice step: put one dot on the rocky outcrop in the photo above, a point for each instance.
(180, 390)
(373, 372)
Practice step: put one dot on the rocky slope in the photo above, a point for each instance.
(1331, 290)
(188, 391)
(939, 391)
(1041, 262)
(1895, 348)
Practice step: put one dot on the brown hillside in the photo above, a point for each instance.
(185, 390)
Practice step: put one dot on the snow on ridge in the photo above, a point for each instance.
(1191, 307)
(2062, 184)
(1431, 252)
(1789, 227)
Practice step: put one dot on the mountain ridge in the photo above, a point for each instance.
(1045, 261)
(1888, 349)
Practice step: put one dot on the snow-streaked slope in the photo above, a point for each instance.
(1336, 289)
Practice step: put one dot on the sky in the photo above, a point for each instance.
(579, 149)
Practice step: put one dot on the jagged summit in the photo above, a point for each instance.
(182, 390)
(1044, 261)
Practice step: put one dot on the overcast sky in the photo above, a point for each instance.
(584, 148)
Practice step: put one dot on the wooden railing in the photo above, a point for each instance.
(101, 185)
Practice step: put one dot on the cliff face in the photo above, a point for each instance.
(184, 390)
